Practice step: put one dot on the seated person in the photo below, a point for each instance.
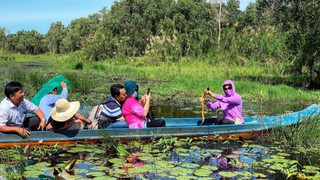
(49, 100)
(133, 111)
(65, 116)
(111, 116)
(230, 103)
(14, 109)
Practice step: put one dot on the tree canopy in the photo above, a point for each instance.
(267, 31)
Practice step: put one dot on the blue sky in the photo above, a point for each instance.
(18, 15)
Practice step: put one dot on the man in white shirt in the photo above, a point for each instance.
(13, 111)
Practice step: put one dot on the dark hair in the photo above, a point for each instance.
(56, 124)
(115, 89)
(12, 87)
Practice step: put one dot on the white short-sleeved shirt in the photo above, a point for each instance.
(11, 115)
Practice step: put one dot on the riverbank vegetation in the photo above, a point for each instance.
(171, 83)
(267, 33)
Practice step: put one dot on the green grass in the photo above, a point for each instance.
(181, 82)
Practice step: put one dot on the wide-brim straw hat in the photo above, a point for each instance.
(64, 110)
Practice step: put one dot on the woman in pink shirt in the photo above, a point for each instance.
(134, 111)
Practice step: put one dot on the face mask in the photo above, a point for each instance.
(228, 93)
(135, 95)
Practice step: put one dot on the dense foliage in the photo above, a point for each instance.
(267, 32)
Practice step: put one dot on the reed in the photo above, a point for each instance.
(304, 134)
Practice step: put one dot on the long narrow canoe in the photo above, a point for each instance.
(179, 127)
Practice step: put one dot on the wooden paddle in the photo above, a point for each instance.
(202, 106)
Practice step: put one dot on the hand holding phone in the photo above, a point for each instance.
(148, 92)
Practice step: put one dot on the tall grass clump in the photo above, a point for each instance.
(304, 134)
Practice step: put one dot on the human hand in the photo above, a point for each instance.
(63, 84)
(42, 125)
(143, 99)
(23, 132)
(201, 99)
(90, 126)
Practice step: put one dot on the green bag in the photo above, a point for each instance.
(46, 88)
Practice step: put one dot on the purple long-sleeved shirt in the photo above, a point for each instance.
(231, 103)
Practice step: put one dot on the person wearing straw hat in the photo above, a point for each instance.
(48, 101)
(65, 116)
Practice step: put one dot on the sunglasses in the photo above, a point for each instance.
(227, 87)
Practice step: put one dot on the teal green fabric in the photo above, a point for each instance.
(46, 88)
(130, 87)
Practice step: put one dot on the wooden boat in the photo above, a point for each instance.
(179, 127)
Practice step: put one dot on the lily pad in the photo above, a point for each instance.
(310, 169)
(202, 172)
(189, 165)
(33, 173)
(96, 174)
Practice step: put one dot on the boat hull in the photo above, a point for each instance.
(175, 127)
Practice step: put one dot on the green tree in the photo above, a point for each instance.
(26, 42)
(300, 20)
(79, 31)
(55, 36)
(3, 39)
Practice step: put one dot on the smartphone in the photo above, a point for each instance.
(148, 92)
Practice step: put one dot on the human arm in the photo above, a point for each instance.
(42, 118)
(64, 92)
(235, 99)
(208, 102)
(146, 105)
(84, 119)
(21, 131)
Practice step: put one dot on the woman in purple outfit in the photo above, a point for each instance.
(230, 103)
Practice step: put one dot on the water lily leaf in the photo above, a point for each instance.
(186, 177)
(181, 150)
(179, 171)
(194, 148)
(136, 170)
(79, 171)
(228, 174)
(33, 173)
(310, 169)
(202, 172)
(122, 151)
(212, 168)
(283, 154)
(116, 160)
(119, 171)
(276, 167)
(259, 175)
(96, 174)
(99, 168)
(77, 150)
(104, 178)
(276, 157)
(183, 154)
(271, 171)
(215, 150)
(147, 158)
(190, 165)
(232, 156)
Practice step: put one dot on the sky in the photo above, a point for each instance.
(16, 15)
